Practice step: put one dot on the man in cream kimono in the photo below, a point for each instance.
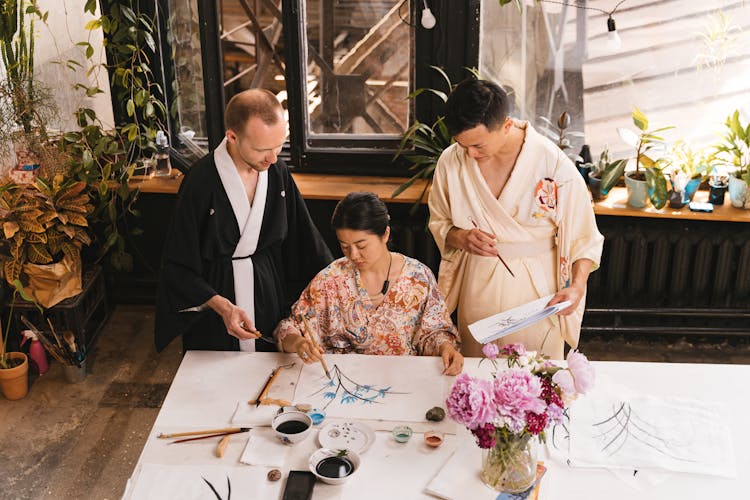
(242, 245)
(504, 190)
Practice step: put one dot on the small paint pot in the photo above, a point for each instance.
(317, 416)
(433, 439)
(401, 433)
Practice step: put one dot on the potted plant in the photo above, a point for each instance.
(734, 152)
(604, 174)
(690, 168)
(649, 182)
(26, 106)
(14, 366)
(44, 227)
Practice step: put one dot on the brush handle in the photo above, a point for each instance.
(315, 343)
(222, 447)
(237, 431)
(198, 433)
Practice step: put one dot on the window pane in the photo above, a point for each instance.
(358, 66)
(681, 62)
(252, 46)
(188, 109)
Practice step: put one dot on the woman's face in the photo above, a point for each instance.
(361, 247)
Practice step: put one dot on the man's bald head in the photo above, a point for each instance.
(252, 103)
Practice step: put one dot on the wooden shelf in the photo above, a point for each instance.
(335, 187)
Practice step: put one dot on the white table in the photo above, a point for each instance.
(208, 385)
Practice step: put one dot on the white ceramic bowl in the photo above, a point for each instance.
(323, 453)
(289, 416)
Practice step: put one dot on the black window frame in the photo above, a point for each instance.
(452, 46)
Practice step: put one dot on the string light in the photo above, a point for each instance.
(428, 19)
(614, 42)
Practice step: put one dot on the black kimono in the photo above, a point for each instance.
(197, 262)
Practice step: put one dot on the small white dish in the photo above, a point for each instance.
(353, 436)
(324, 453)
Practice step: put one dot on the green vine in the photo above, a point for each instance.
(106, 159)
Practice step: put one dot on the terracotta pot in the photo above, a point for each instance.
(15, 381)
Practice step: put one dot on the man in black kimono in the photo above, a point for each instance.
(242, 245)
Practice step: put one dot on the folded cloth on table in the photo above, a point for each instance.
(246, 415)
(264, 450)
(457, 480)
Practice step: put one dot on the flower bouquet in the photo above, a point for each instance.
(520, 403)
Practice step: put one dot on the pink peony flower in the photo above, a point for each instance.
(555, 413)
(490, 350)
(513, 350)
(516, 392)
(470, 401)
(582, 371)
(564, 380)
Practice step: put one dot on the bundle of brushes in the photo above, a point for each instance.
(65, 349)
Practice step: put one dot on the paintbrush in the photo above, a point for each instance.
(244, 429)
(48, 345)
(473, 223)
(227, 430)
(311, 337)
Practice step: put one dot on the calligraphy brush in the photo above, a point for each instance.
(226, 430)
(473, 223)
(315, 343)
(266, 386)
(237, 431)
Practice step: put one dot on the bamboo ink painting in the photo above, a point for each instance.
(345, 391)
(359, 388)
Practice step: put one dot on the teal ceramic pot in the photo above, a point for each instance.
(637, 192)
(595, 185)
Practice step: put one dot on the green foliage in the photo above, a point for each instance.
(734, 148)
(608, 171)
(425, 143)
(646, 143)
(42, 222)
(106, 160)
(695, 163)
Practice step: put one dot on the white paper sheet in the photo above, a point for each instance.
(186, 482)
(459, 477)
(251, 416)
(638, 432)
(504, 323)
(264, 449)
(397, 388)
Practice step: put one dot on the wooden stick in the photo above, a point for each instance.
(198, 433)
(267, 387)
(269, 402)
(209, 436)
(315, 343)
(222, 447)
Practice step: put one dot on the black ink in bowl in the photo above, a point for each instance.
(335, 467)
(292, 427)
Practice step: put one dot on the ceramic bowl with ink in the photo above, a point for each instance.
(291, 426)
(334, 466)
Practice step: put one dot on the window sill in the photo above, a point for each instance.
(335, 187)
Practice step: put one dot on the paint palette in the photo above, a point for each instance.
(354, 436)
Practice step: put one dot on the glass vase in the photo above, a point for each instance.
(510, 466)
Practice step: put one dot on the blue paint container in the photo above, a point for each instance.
(317, 416)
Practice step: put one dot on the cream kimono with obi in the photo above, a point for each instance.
(543, 221)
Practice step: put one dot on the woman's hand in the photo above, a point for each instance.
(305, 349)
(453, 361)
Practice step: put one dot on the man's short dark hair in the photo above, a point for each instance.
(252, 102)
(475, 102)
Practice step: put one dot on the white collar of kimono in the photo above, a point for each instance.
(249, 219)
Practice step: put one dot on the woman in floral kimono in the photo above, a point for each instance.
(372, 300)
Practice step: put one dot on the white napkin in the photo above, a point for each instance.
(264, 450)
(459, 477)
(246, 415)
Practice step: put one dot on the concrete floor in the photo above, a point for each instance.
(81, 441)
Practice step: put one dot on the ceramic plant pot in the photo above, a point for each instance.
(637, 191)
(595, 185)
(738, 193)
(15, 381)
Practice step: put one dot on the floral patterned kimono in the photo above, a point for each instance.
(412, 319)
(543, 221)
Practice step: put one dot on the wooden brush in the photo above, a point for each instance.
(227, 430)
(306, 328)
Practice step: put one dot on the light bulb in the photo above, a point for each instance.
(614, 42)
(428, 20)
